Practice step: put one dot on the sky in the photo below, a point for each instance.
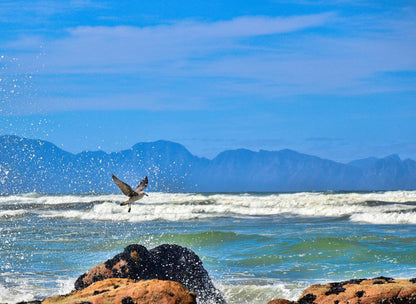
(331, 78)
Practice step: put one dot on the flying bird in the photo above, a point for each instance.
(134, 195)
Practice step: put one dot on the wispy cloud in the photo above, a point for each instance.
(137, 48)
(254, 56)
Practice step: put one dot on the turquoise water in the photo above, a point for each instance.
(256, 247)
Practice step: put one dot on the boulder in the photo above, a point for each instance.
(379, 290)
(127, 291)
(165, 262)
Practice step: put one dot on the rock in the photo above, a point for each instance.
(280, 301)
(379, 290)
(165, 262)
(127, 291)
(180, 264)
(134, 263)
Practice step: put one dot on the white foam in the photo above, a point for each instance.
(65, 286)
(34, 198)
(392, 218)
(15, 294)
(261, 292)
(188, 206)
(17, 287)
(11, 213)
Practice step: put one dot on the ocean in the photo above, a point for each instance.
(255, 246)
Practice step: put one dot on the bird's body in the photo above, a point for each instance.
(134, 195)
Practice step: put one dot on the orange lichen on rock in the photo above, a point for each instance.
(378, 290)
(127, 291)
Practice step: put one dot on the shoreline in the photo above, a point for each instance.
(175, 274)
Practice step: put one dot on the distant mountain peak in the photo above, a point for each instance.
(158, 144)
(394, 157)
(235, 153)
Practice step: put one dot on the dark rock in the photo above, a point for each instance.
(135, 262)
(281, 301)
(338, 287)
(127, 300)
(386, 279)
(398, 300)
(182, 265)
(79, 283)
(335, 288)
(165, 262)
(100, 291)
(353, 281)
(307, 299)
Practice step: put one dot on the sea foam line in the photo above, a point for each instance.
(388, 207)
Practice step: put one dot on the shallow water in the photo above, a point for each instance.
(256, 247)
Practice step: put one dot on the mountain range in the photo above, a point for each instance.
(28, 165)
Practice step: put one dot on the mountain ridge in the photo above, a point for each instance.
(32, 165)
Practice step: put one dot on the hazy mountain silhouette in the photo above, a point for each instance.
(28, 165)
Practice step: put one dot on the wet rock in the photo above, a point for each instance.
(307, 299)
(135, 262)
(338, 287)
(165, 262)
(335, 288)
(182, 265)
(386, 279)
(280, 301)
(127, 291)
(379, 290)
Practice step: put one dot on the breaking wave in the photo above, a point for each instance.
(394, 207)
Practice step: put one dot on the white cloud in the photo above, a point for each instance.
(256, 56)
(127, 48)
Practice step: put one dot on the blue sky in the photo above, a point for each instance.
(336, 79)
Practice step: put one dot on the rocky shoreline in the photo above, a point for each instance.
(171, 274)
(379, 290)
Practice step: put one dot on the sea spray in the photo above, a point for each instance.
(254, 246)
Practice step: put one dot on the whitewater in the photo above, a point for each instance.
(255, 246)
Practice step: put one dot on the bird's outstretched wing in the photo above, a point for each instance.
(142, 185)
(126, 189)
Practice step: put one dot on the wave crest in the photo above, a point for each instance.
(394, 207)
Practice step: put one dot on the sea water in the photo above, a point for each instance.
(255, 247)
